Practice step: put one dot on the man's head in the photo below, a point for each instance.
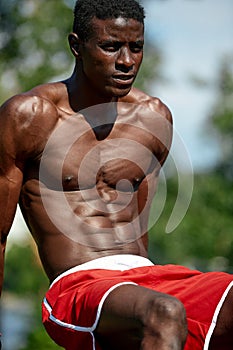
(107, 42)
(86, 10)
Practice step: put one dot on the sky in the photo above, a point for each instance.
(194, 36)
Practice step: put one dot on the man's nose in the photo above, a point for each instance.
(125, 60)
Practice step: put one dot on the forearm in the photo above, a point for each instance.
(9, 189)
(5, 225)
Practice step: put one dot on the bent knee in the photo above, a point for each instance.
(164, 316)
(164, 307)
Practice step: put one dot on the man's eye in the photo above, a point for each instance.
(136, 48)
(110, 47)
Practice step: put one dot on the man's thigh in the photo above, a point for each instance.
(123, 322)
(119, 326)
(222, 337)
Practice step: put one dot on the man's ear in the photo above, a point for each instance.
(74, 42)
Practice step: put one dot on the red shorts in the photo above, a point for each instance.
(72, 306)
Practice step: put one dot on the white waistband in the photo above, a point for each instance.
(120, 262)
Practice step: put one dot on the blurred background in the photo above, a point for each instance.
(189, 65)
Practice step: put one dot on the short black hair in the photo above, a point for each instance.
(85, 10)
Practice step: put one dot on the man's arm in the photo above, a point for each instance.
(10, 176)
(162, 130)
(10, 184)
(26, 122)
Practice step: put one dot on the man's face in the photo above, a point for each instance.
(112, 56)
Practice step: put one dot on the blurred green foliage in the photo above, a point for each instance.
(39, 340)
(34, 47)
(23, 271)
(204, 238)
(222, 117)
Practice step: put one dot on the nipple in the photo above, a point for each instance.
(137, 182)
(68, 178)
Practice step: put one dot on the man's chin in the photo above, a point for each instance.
(116, 92)
(122, 92)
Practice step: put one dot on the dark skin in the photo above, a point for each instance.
(108, 208)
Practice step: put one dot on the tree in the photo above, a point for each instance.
(204, 238)
(23, 271)
(221, 117)
(34, 48)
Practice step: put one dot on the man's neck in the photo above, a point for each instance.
(82, 95)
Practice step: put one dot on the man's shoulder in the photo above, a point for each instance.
(152, 103)
(28, 106)
(26, 120)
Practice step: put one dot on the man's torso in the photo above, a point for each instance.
(85, 190)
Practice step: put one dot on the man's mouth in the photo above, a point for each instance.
(123, 78)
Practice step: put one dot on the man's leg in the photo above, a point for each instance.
(135, 317)
(223, 334)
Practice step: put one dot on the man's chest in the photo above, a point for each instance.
(79, 158)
